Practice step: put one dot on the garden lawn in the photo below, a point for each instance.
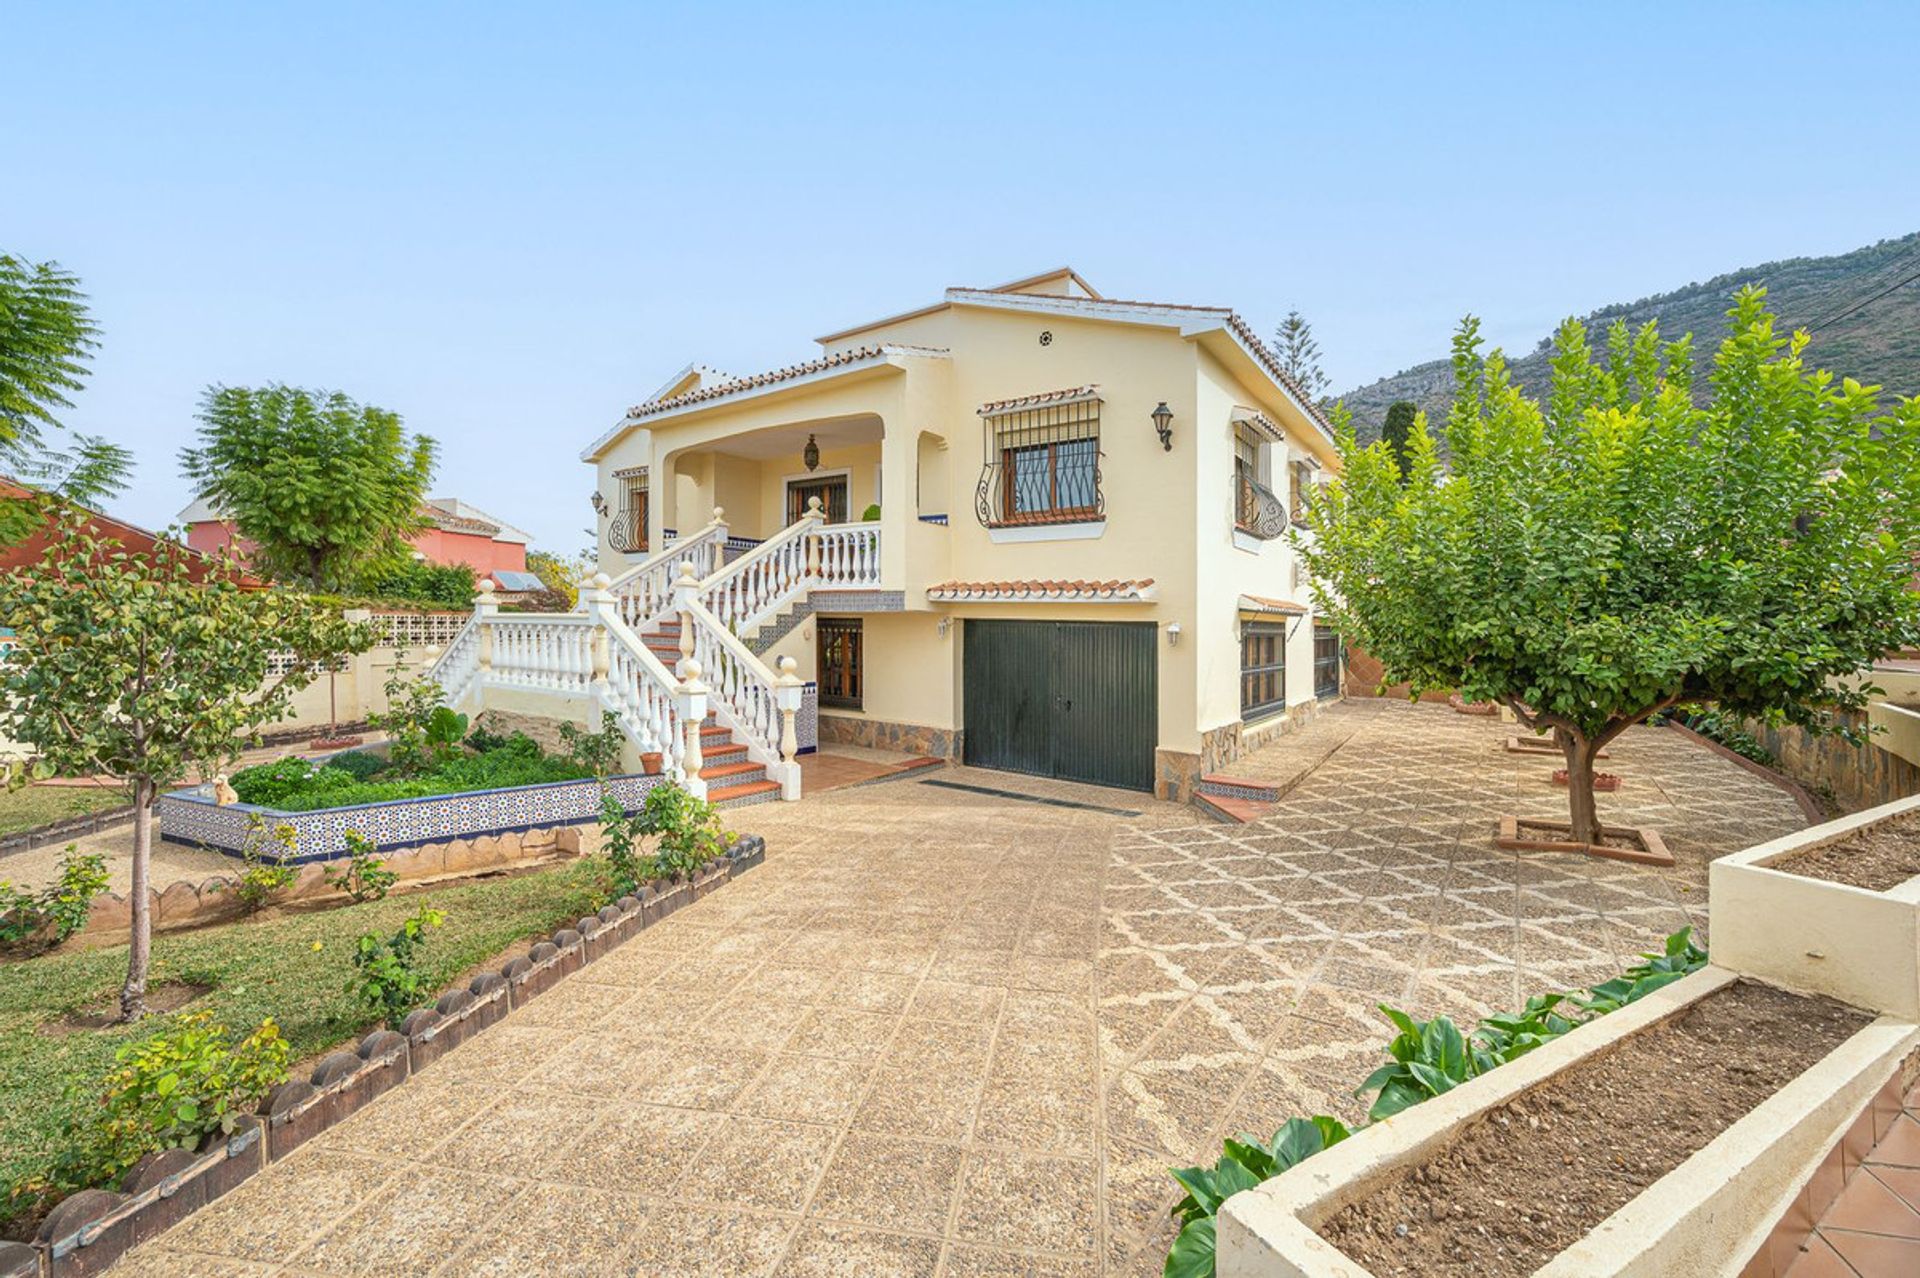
(39, 805)
(257, 969)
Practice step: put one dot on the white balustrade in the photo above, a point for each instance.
(645, 591)
(849, 556)
(737, 681)
(743, 593)
(553, 651)
(455, 668)
(643, 695)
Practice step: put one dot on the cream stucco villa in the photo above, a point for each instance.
(1029, 527)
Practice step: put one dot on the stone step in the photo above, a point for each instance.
(1219, 785)
(731, 774)
(735, 796)
(1234, 811)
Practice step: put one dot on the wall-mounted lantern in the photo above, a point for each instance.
(811, 454)
(1163, 425)
(1173, 634)
(599, 503)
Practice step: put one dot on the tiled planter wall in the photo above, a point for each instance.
(192, 817)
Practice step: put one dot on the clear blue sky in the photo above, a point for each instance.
(509, 223)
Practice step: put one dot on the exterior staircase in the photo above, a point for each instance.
(733, 780)
(721, 722)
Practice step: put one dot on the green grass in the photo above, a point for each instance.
(39, 805)
(257, 969)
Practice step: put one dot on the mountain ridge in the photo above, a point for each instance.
(1877, 345)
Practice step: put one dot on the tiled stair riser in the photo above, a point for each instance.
(90, 1231)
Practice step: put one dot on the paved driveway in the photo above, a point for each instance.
(949, 1032)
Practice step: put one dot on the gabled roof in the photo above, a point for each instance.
(1075, 297)
(741, 387)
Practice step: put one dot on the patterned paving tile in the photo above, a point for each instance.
(944, 1033)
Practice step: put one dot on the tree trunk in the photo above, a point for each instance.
(1580, 752)
(133, 995)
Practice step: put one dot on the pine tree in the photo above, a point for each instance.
(1398, 430)
(1300, 355)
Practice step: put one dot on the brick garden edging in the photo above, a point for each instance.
(87, 1232)
(41, 836)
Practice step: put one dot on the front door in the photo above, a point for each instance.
(1076, 700)
(831, 490)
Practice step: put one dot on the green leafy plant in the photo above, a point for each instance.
(387, 977)
(358, 764)
(1680, 958)
(689, 831)
(421, 732)
(486, 734)
(1429, 1057)
(1727, 731)
(1243, 1163)
(517, 762)
(58, 910)
(365, 877)
(870, 514)
(265, 853)
(412, 581)
(1625, 544)
(620, 840)
(598, 753)
(175, 1089)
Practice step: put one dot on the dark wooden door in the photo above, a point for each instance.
(831, 491)
(1076, 700)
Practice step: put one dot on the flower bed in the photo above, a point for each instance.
(1858, 944)
(195, 817)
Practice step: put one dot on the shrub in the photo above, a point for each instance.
(597, 753)
(267, 873)
(1727, 731)
(365, 877)
(387, 977)
(358, 764)
(689, 829)
(620, 839)
(174, 1090)
(268, 784)
(438, 585)
(870, 514)
(421, 732)
(58, 910)
(485, 736)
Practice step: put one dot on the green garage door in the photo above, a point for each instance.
(1075, 700)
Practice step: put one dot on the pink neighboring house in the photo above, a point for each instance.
(457, 533)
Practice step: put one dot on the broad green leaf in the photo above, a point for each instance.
(1192, 1254)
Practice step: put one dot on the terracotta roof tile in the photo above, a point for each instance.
(1043, 591)
(839, 359)
(1070, 395)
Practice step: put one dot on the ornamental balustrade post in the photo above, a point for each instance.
(787, 693)
(691, 704)
(717, 551)
(485, 607)
(599, 603)
(686, 592)
(818, 516)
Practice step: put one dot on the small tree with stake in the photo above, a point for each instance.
(140, 665)
(1590, 560)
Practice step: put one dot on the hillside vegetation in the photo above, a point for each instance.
(1878, 345)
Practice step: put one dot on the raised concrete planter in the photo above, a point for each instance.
(1858, 946)
(1708, 1216)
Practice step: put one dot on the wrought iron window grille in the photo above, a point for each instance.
(1041, 465)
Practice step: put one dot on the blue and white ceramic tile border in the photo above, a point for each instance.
(192, 817)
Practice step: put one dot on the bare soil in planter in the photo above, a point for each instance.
(1533, 1177)
(1877, 858)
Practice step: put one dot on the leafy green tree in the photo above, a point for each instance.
(437, 585)
(562, 576)
(140, 666)
(1398, 429)
(46, 339)
(1299, 355)
(323, 487)
(1617, 549)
